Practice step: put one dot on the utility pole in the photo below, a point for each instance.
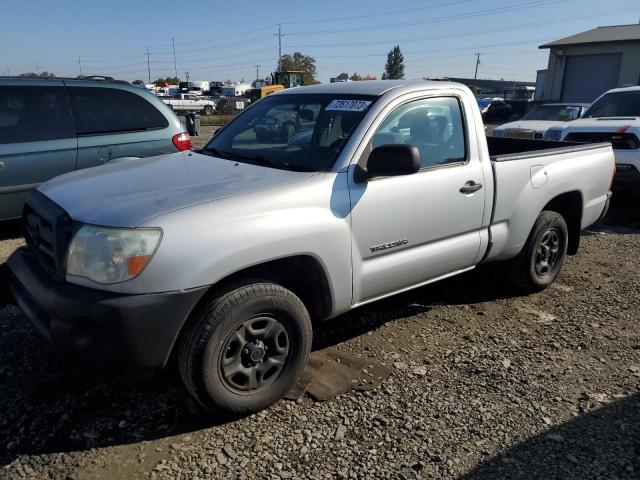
(8, 71)
(279, 35)
(258, 72)
(187, 75)
(148, 65)
(475, 75)
(80, 65)
(175, 66)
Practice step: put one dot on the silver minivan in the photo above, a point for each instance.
(53, 126)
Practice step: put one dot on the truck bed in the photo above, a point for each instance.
(503, 148)
(527, 173)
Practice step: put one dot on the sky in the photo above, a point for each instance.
(226, 40)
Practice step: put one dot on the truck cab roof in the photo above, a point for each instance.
(371, 87)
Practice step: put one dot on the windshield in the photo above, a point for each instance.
(617, 104)
(561, 113)
(484, 103)
(296, 132)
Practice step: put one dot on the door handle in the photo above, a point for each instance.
(470, 187)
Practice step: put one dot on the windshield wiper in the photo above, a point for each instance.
(216, 152)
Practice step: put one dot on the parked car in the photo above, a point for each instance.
(195, 87)
(541, 117)
(215, 88)
(231, 105)
(51, 127)
(186, 102)
(281, 124)
(221, 259)
(494, 109)
(614, 117)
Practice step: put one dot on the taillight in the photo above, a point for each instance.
(182, 141)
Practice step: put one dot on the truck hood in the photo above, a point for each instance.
(607, 124)
(129, 193)
(531, 125)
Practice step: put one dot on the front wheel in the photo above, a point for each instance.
(244, 349)
(208, 110)
(542, 257)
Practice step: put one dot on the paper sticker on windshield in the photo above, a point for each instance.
(349, 105)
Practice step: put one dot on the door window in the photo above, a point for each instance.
(33, 114)
(434, 125)
(110, 110)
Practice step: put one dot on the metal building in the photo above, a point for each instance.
(583, 66)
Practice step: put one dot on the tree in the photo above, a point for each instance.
(356, 77)
(394, 68)
(298, 61)
(43, 74)
(168, 80)
(342, 76)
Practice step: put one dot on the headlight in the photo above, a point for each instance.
(498, 133)
(552, 134)
(111, 255)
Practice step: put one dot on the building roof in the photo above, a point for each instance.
(613, 33)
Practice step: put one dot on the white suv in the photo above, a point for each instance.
(614, 117)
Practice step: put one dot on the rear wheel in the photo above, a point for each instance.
(245, 348)
(208, 110)
(542, 257)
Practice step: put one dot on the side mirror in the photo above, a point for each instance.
(306, 115)
(391, 160)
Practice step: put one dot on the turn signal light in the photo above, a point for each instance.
(182, 141)
(136, 264)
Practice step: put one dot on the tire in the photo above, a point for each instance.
(542, 257)
(208, 110)
(288, 132)
(235, 332)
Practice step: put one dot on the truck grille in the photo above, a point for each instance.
(620, 141)
(48, 232)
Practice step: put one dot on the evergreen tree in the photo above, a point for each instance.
(394, 68)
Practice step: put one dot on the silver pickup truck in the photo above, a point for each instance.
(187, 102)
(223, 258)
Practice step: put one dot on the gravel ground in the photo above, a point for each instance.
(485, 385)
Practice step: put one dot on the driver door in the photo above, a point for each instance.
(410, 229)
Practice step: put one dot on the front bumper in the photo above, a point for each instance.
(116, 330)
(627, 169)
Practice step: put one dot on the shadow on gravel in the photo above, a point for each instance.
(624, 213)
(604, 443)
(477, 286)
(10, 229)
(47, 408)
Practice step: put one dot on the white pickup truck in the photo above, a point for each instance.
(187, 102)
(614, 117)
(221, 259)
